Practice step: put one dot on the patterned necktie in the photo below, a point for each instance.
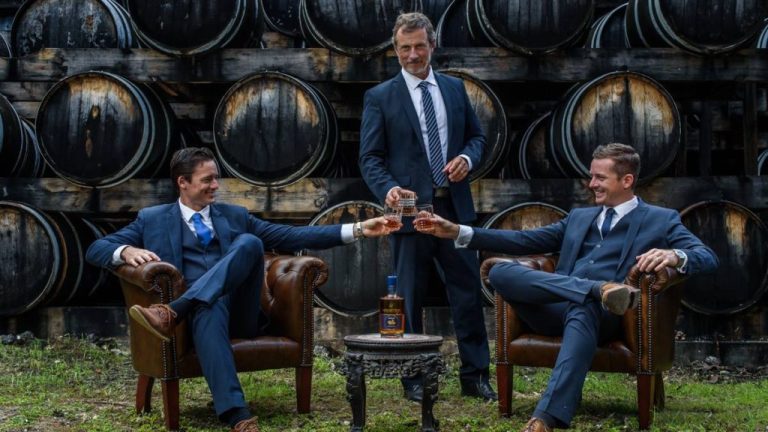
(436, 163)
(607, 221)
(204, 233)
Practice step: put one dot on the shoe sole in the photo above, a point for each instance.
(618, 300)
(139, 318)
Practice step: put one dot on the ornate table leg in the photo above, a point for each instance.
(356, 390)
(430, 372)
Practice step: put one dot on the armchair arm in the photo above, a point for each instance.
(508, 325)
(286, 298)
(150, 283)
(649, 329)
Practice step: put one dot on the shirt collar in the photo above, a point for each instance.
(187, 213)
(412, 81)
(623, 208)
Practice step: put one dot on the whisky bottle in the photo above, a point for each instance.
(391, 311)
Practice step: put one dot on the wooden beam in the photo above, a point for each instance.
(310, 196)
(318, 64)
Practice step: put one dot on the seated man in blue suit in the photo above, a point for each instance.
(583, 300)
(220, 250)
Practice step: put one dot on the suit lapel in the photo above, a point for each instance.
(636, 219)
(173, 224)
(406, 103)
(221, 226)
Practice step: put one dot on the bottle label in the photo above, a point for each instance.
(391, 323)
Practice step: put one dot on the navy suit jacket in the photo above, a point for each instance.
(654, 227)
(392, 151)
(159, 228)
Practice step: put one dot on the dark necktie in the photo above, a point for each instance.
(607, 221)
(204, 233)
(436, 163)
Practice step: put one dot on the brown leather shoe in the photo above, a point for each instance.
(158, 319)
(250, 425)
(536, 425)
(617, 298)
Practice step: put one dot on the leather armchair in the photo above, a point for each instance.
(286, 298)
(646, 348)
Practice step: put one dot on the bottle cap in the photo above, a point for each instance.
(391, 282)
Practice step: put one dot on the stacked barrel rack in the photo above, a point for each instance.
(719, 99)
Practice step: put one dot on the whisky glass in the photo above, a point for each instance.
(394, 216)
(425, 218)
(408, 203)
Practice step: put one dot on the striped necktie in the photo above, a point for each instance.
(436, 163)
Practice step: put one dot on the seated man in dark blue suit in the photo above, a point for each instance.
(220, 250)
(583, 300)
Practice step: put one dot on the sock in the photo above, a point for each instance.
(235, 415)
(182, 307)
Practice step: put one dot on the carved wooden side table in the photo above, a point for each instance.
(378, 357)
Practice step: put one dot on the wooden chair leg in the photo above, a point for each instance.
(504, 378)
(645, 394)
(144, 394)
(659, 397)
(171, 404)
(303, 389)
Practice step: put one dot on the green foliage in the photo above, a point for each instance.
(71, 385)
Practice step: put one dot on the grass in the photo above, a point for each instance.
(69, 384)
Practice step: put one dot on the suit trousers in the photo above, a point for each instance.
(414, 254)
(558, 305)
(230, 296)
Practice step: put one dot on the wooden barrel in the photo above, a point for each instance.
(32, 266)
(523, 216)
(352, 27)
(5, 47)
(435, 9)
(272, 129)
(738, 237)
(531, 26)
(698, 26)
(609, 31)
(282, 16)
(42, 24)
(761, 166)
(357, 272)
(762, 40)
(195, 27)
(19, 153)
(534, 160)
(493, 120)
(623, 107)
(93, 278)
(100, 129)
(452, 28)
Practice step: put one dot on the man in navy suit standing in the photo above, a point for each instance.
(219, 249)
(419, 134)
(583, 300)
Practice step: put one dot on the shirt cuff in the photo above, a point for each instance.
(117, 260)
(347, 236)
(469, 161)
(682, 266)
(465, 236)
